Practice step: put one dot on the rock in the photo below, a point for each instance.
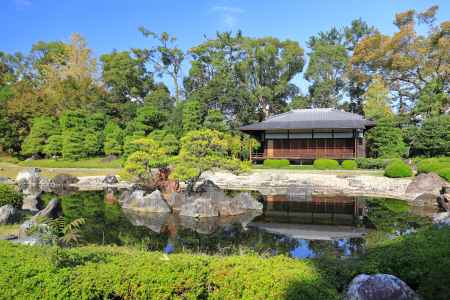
(423, 199)
(154, 221)
(64, 179)
(176, 200)
(230, 207)
(153, 202)
(379, 287)
(426, 183)
(5, 180)
(29, 177)
(110, 179)
(31, 199)
(201, 207)
(7, 214)
(52, 210)
(442, 218)
(206, 186)
(248, 202)
(29, 240)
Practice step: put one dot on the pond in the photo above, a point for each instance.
(335, 225)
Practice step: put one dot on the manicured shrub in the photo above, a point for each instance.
(97, 272)
(8, 195)
(326, 164)
(349, 165)
(432, 165)
(398, 168)
(372, 163)
(419, 259)
(276, 163)
(445, 173)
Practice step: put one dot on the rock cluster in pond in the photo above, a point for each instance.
(7, 214)
(379, 287)
(139, 200)
(210, 201)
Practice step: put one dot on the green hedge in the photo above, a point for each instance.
(326, 164)
(276, 163)
(445, 173)
(372, 163)
(398, 168)
(96, 272)
(9, 195)
(432, 164)
(349, 165)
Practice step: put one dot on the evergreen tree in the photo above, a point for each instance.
(113, 139)
(385, 140)
(41, 130)
(192, 115)
(432, 137)
(54, 146)
(215, 120)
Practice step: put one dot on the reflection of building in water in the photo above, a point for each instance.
(335, 210)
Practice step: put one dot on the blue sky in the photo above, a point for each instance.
(112, 24)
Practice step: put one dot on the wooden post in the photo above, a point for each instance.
(269, 148)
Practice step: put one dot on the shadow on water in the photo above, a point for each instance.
(323, 226)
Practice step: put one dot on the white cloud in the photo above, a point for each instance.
(229, 15)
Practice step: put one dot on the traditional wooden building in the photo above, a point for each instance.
(307, 134)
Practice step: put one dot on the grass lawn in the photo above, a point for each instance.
(90, 163)
(10, 166)
(311, 169)
(9, 229)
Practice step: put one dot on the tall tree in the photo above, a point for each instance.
(243, 76)
(407, 61)
(166, 58)
(128, 81)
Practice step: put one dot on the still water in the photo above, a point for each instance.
(337, 226)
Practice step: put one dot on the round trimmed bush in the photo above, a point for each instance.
(326, 164)
(445, 173)
(8, 195)
(349, 165)
(398, 168)
(276, 163)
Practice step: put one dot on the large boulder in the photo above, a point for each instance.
(442, 218)
(63, 180)
(379, 287)
(110, 179)
(248, 202)
(176, 200)
(5, 180)
(31, 199)
(7, 214)
(29, 177)
(52, 210)
(140, 201)
(429, 183)
(200, 207)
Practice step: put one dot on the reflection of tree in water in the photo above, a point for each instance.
(106, 223)
(233, 239)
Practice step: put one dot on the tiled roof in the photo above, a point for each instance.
(318, 118)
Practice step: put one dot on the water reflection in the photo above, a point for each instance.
(303, 229)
